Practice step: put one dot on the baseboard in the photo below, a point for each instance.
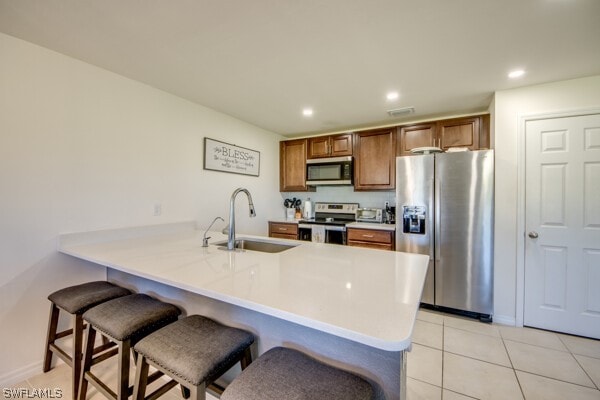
(505, 320)
(20, 374)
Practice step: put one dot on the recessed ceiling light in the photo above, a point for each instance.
(307, 112)
(392, 95)
(517, 73)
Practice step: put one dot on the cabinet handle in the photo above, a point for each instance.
(367, 236)
(283, 229)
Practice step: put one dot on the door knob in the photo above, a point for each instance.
(533, 235)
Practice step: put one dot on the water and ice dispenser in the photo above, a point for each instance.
(413, 218)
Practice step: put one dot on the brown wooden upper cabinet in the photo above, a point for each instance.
(330, 146)
(375, 159)
(470, 132)
(292, 165)
(415, 136)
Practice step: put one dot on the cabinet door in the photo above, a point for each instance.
(292, 165)
(375, 160)
(484, 132)
(341, 145)
(414, 136)
(460, 132)
(318, 147)
(330, 146)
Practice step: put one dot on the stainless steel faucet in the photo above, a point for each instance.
(204, 238)
(231, 233)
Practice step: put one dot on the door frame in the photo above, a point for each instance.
(521, 214)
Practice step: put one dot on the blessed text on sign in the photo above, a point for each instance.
(225, 157)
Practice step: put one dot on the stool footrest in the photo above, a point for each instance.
(161, 390)
(215, 387)
(101, 386)
(154, 376)
(104, 347)
(64, 333)
(105, 356)
(61, 354)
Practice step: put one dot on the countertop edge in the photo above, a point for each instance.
(380, 343)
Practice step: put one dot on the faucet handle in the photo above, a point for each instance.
(205, 241)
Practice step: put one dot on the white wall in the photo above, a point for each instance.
(84, 149)
(508, 107)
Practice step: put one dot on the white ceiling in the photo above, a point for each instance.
(263, 61)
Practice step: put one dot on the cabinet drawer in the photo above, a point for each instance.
(370, 235)
(283, 236)
(282, 228)
(371, 245)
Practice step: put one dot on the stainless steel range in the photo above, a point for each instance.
(331, 219)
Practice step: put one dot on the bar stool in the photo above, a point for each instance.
(193, 352)
(283, 373)
(124, 321)
(75, 300)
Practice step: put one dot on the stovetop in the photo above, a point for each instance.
(323, 221)
(333, 214)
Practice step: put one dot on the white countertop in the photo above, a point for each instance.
(368, 296)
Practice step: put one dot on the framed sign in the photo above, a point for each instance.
(225, 157)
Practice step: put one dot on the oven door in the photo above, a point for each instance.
(333, 233)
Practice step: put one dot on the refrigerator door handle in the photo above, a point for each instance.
(437, 239)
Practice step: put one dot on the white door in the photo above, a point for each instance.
(562, 238)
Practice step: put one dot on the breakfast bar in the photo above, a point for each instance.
(353, 308)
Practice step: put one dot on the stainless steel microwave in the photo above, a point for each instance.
(329, 171)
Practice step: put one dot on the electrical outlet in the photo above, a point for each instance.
(157, 209)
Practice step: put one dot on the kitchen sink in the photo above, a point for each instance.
(258, 245)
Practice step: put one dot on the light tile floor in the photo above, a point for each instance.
(455, 358)
(458, 358)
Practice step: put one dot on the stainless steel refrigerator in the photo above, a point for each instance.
(445, 208)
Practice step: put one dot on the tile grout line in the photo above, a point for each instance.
(443, 352)
(559, 380)
(512, 365)
(551, 349)
(577, 361)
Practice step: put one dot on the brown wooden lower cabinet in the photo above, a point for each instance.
(283, 230)
(372, 238)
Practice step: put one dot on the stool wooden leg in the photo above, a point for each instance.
(141, 378)
(123, 370)
(246, 358)
(185, 392)
(86, 364)
(51, 336)
(198, 392)
(76, 356)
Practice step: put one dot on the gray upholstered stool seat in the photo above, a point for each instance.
(124, 321)
(75, 300)
(80, 298)
(282, 373)
(194, 352)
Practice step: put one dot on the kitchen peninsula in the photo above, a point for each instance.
(351, 307)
